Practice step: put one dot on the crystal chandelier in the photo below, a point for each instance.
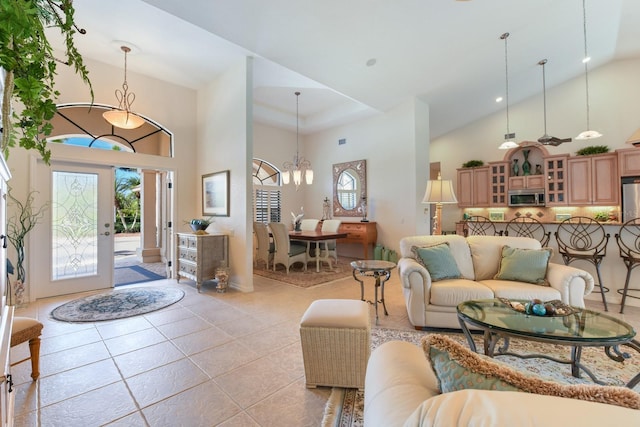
(123, 117)
(300, 166)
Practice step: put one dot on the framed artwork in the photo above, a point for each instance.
(215, 194)
(496, 216)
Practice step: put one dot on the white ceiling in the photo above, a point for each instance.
(446, 52)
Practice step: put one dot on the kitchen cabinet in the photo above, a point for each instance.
(555, 171)
(473, 188)
(629, 162)
(593, 180)
(199, 255)
(499, 183)
(526, 182)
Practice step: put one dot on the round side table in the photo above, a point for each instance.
(381, 271)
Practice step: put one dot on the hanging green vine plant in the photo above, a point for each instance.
(30, 67)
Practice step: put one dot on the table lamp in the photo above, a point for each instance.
(439, 191)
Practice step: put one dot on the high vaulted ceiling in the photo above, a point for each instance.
(445, 52)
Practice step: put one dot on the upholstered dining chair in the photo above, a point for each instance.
(525, 226)
(329, 248)
(628, 240)
(309, 224)
(265, 248)
(478, 225)
(287, 252)
(583, 238)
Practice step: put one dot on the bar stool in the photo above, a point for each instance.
(27, 329)
(525, 226)
(478, 225)
(628, 240)
(583, 238)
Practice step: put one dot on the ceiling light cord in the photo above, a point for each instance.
(588, 133)
(505, 36)
(544, 94)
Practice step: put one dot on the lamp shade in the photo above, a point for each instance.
(123, 119)
(439, 191)
(634, 139)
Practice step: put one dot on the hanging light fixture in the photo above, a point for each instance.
(300, 166)
(509, 138)
(123, 117)
(587, 134)
(546, 139)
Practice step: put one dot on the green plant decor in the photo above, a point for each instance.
(592, 149)
(30, 67)
(472, 163)
(601, 216)
(26, 217)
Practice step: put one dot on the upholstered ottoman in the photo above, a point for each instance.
(336, 342)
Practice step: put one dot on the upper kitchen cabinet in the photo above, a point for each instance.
(629, 162)
(473, 187)
(555, 171)
(593, 180)
(499, 175)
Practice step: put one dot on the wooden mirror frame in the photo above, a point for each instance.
(360, 166)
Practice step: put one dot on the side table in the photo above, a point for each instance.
(381, 271)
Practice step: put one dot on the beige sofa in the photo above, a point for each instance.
(432, 304)
(401, 390)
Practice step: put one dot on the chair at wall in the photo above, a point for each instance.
(527, 227)
(628, 239)
(287, 253)
(583, 238)
(479, 226)
(265, 248)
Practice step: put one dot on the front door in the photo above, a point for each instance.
(72, 249)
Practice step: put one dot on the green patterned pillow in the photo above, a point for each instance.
(458, 368)
(524, 265)
(438, 261)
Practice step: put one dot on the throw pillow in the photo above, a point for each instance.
(524, 265)
(458, 368)
(438, 261)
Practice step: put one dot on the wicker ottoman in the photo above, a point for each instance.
(336, 342)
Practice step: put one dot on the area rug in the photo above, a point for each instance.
(345, 407)
(130, 274)
(117, 304)
(306, 279)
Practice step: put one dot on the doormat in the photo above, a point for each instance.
(117, 304)
(130, 274)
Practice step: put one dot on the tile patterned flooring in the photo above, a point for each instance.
(231, 359)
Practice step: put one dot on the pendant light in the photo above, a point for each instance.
(300, 166)
(546, 139)
(508, 137)
(587, 134)
(123, 117)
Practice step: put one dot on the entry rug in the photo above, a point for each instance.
(306, 279)
(117, 304)
(130, 274)
(345, 407)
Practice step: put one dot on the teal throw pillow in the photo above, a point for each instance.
(438, 261)
(524, 265)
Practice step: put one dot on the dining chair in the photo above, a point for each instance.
(583, 238)
(287, 252)
(309, 225)
(628, 239)
(329, 248)
(525, 226)
(265, 248)
(478, 225)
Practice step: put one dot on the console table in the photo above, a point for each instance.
(365, 233)
(199, 255)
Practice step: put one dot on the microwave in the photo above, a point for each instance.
(530, 197)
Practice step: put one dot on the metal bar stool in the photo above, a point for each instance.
(583, 238)
(628, 240)
(525, 226)
(478, 225)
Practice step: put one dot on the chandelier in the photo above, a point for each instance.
(123, 117)
(300, 166)
(508, 137)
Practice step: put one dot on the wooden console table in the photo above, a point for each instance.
(199, 255)
(365, 233)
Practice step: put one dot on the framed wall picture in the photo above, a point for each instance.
(496, 216)
(215, 194)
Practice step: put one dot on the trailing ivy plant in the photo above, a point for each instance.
(30, 67)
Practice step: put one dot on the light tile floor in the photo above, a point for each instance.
(231, 359)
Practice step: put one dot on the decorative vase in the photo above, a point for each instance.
(526, 165)
(515, 169)
(538, 169)
(222, 275)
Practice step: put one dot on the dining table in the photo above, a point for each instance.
(317, 237)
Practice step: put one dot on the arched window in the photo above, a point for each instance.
(266, 192)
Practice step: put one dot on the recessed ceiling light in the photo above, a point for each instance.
(371, 62)
(499, 99)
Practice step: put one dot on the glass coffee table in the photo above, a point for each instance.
(582, 328)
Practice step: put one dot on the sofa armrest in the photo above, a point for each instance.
(572, 283)
(406, 269)
(416, 288)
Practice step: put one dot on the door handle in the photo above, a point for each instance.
(106, 233)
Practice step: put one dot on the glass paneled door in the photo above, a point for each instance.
(77, 229)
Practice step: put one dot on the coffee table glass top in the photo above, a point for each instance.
(371, 265)
(584, 325)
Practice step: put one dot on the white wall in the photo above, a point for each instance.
(225, 142)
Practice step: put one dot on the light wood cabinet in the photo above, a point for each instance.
(593, 180)
(629, 162)
(199, 255)
(473, 187)
(555, 170)
(499, 183)
(7, 394)
(526, 182)
(364, 233)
